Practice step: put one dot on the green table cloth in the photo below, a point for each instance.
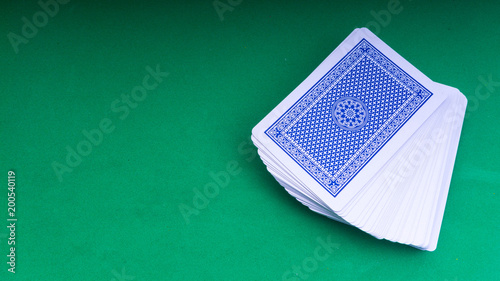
(126, 125)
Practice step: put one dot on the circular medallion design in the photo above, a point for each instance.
(350, 113)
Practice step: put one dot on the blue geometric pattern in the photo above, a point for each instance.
(350, 113)
(335, 128)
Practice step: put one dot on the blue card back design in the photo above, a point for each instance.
(340, 123)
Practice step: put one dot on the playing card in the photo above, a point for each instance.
(340, 141)
(336, 125)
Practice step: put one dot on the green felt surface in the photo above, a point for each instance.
(116, 215)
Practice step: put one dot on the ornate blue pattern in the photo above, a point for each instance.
(335, 128)
(350, 113)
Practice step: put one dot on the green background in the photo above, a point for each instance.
(116, 215)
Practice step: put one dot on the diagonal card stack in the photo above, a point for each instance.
(367, 140)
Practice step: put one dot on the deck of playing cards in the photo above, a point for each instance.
(367, 140)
